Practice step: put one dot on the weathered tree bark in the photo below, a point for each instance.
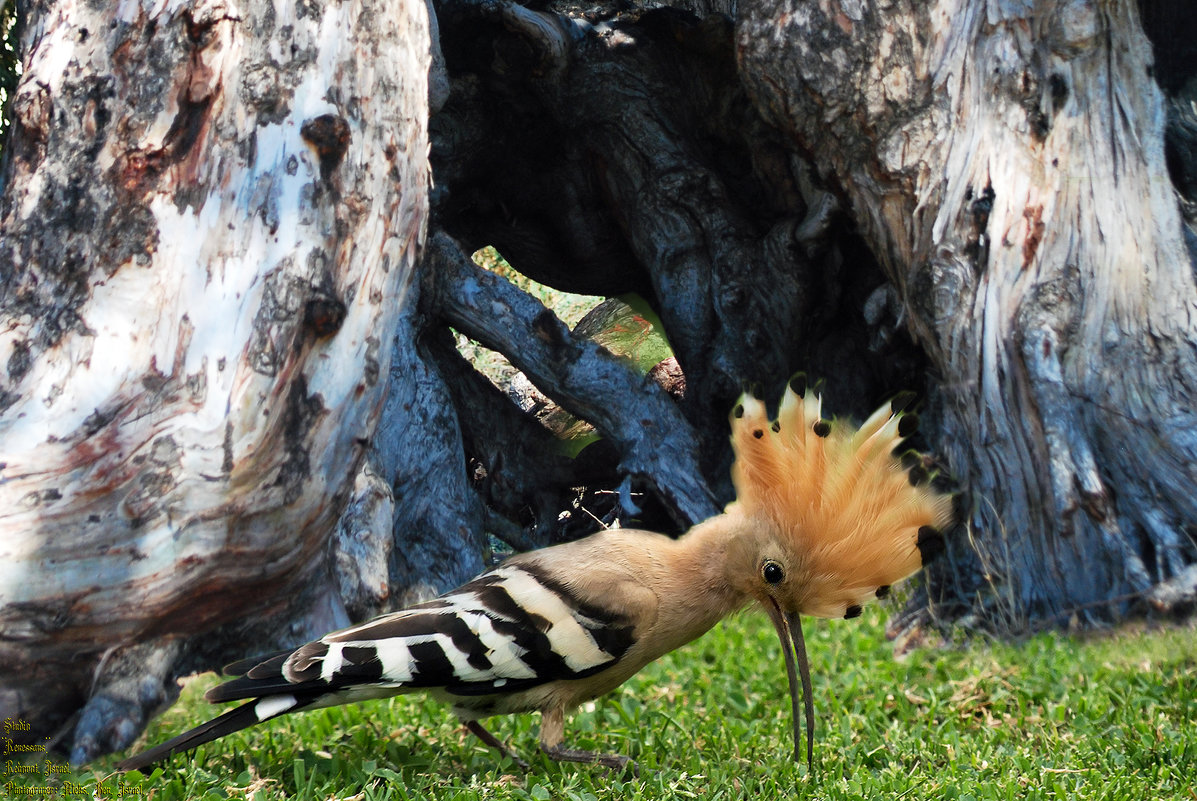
(216, 405)
(209, 215)
(1005, 160)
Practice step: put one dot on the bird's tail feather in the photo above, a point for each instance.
(242, 717)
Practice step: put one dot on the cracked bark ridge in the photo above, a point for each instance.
(438, 518)
(208, 218)
(1008, 170)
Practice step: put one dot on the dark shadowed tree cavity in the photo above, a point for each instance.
(947, 198)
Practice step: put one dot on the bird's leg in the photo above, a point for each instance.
(552, 733)
(494, 742)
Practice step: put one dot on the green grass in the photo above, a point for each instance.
(1110, 717)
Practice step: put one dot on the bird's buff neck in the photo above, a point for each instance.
(697, 563)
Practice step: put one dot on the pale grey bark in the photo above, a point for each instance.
(210, 212)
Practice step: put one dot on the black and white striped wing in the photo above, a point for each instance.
(509, 629)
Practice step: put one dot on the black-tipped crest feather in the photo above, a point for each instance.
(850, 508)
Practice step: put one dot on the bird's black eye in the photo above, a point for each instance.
(772, 572)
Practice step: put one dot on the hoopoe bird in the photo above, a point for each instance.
(826, 518)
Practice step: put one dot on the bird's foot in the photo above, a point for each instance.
(613, 762)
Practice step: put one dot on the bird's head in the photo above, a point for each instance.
(827, 516)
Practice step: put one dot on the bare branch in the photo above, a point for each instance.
(655, 441)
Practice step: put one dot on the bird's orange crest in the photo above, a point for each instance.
(838, 495)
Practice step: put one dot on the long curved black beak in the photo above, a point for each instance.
(789, 631)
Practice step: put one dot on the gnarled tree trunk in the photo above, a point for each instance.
(1006, 163)
(210, 213)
